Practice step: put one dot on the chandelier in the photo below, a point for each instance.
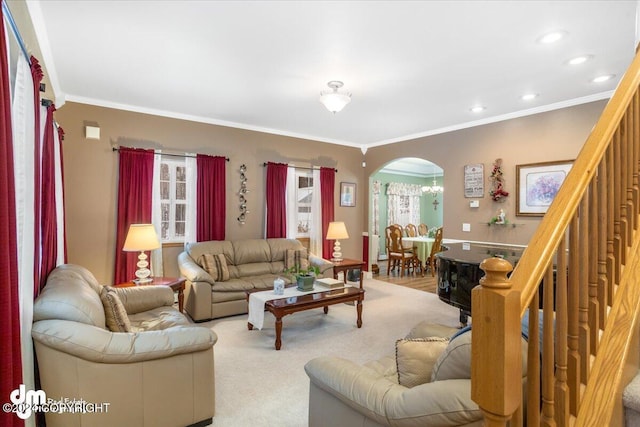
(333, 100)
(434, 189)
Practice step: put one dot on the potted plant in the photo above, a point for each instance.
(304, 277)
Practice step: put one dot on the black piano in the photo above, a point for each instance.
(459, 271)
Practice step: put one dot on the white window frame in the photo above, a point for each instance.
(302, 173)
(173, 163)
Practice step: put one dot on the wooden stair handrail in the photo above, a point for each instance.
(547, 236)
(595, 298)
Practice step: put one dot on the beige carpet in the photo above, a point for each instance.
(258, 386)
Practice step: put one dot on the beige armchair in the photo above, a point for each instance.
(343, 393)
(160, 373)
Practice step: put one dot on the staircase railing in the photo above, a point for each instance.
(578, 282)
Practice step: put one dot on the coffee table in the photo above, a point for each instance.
(283, 306)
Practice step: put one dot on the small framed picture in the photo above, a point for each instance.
(538, 184)
(348, 194)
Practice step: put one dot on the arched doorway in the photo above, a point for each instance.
(414, 179)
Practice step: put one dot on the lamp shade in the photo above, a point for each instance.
(337, 231)
(141, 237)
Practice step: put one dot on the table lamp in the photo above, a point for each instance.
(141, 237)
(336, 231)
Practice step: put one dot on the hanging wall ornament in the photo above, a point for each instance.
(242, 218)
(497, 192)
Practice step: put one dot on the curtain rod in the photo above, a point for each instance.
(169, 154)
(301, 167)
(16, 33)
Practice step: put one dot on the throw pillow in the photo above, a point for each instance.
(114, 312)
(216, 266)
(415, 359)
(455, 361)
(296, 257)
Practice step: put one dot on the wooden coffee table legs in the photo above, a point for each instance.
(278, 333)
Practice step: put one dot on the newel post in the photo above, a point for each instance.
(496, 366)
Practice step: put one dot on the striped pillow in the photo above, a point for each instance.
(216, 266)
(114, 312)
(296, 258)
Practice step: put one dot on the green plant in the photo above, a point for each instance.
(296, 271)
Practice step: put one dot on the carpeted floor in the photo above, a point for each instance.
(258, 386)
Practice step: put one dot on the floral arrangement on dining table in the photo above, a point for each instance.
(497, 193)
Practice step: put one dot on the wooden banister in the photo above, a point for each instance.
(584, 258)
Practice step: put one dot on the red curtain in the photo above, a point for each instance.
(135, 189)
(211, 205)
(49, 221)
(327, 186)
(276, 200)
(10, 354)
(36, 74)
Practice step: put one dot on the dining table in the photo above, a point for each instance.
(422, 245)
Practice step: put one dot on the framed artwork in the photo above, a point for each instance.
(538, 184)
(474, 180)
(348, 194)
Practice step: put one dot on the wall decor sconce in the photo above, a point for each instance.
(243, 191)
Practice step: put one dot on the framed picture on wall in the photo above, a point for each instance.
(538, 184)
(348, 194)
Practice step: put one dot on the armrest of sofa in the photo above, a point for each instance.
(441, 403)
(102, 346)
(192, 271)
(322, 264)
(137, 299)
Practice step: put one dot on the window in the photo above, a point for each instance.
(304, 195)
(173, 199)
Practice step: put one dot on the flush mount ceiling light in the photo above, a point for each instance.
(477, 109)
(552, 37)
(333, 100)
(604, 78)
(529, 96)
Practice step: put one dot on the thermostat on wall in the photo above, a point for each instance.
(474, 204)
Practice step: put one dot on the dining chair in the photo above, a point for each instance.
(437, 247)
(423, 230)
(411, 230)
(405, 257)
(391, 264)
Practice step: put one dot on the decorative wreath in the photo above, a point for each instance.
(497, 193)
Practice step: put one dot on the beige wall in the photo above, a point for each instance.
(90, 169)
(555, 135)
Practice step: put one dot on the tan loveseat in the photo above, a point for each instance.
(250, 264)
(159, 374)
(343, 393)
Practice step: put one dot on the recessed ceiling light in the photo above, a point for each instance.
(477, 109)
(579, 59)
(604, 78)
(552, 37)
(529, 96)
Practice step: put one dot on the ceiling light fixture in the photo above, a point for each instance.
(579, 59)
(604, 78)
(552, 37)
(333, 100)
(529, 96)
(477, 109)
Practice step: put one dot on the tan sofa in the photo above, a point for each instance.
(251, 264)
(343, 393)
(159, 374)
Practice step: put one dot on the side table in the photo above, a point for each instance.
(348, 264)
(176, 284)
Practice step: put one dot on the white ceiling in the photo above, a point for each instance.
(414, 68)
